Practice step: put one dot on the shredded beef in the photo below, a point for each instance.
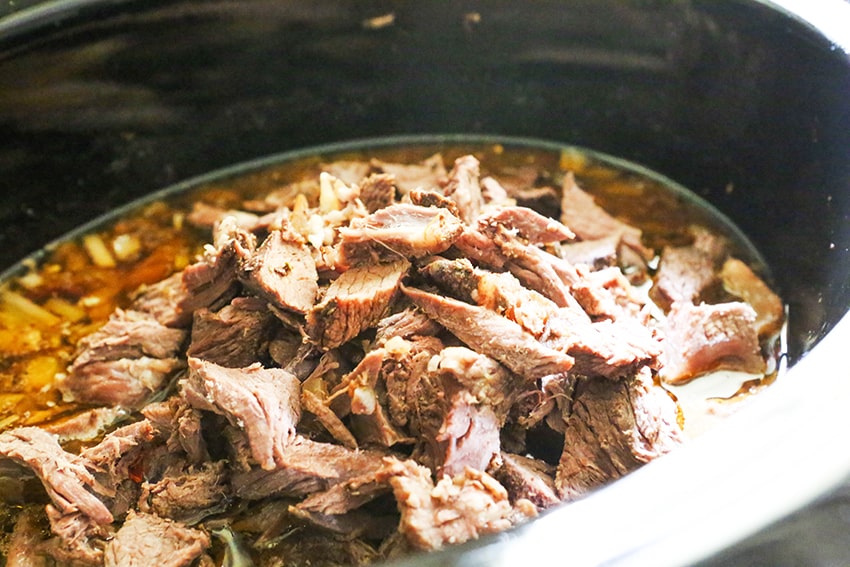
(493, 335)
(410, 358)
(455, 510)
(64, 475)
(264, 402)
(306, 467)
(146, 539)
(235, 336)
(613, 428)
(398, 231)
(124, 362)
(355, 301)
(282, 271)
(701, 338)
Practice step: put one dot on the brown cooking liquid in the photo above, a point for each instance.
(76, 286)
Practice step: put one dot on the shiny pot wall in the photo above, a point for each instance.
(748, 105)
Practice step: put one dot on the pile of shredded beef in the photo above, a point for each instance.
(389, 358)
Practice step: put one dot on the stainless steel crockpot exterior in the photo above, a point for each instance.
(745, 102)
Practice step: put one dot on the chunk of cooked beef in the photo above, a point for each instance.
(235, 336)
(377, 191)
(537, 269)
(468, 437)
(206, 216)
(403, 373)
(87, 425)
(355, 301)
(488, 382)
(426, 175)
(146, 539)
(212, 281)
(589, 221)
(264, 402)
(433, 199)
(528, 224)
(607, 294)
(180, 426)
(163, 300)
(64, 475)
(79, 539)
(480, 248)
(396, 232)
(305, 467)
(407, 323)
(129, 334)
(118, 451)
(684, 272)
(127, 382)
(614, 427)
(597, 254)
(364, 397)
(124, 362)
(702, 338)
(282, 271)
(463, 187)
(187, 494)
(528, 478)
(494, 193)
(740, 280)
(352, 493)
(494, 335)
(453, 511)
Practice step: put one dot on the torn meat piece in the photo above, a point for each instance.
(488, 382)
(64, 475)
(264, 402)
(396, 232)
(589, 221)
(365, 524)
(614, 428)
(405, 324)
(489, 333)
(403, 373)
(146, 539)
(211, 282)
(162, 300)
(235, 336)
(307, 466)
(433, 199)
(352, 493)
(494, 192)
(527, 478)
(282, 271)
(123, 362)
(79, 539)
(684, 273)
(462, 187)
(453, 511)
(528, 224)
(597, 254)
(180, 425)
(740, 280)
(468, 437)
(187, 495)
(129, 334)
(702, 338)
(426, 175)
(355, 301)
(377, 191)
